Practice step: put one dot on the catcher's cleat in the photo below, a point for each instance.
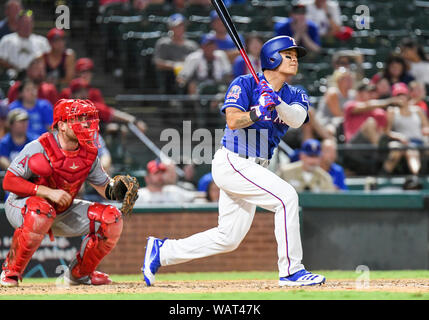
(151, 262)
(96, 278)
(302, 278)
(9, 279)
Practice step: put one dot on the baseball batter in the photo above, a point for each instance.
(257, 116)
(44, 179)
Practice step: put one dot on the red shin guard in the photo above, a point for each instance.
(38, 218)
(97, 244)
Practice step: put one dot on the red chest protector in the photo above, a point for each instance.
(70, 169)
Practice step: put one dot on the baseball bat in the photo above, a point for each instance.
(232, 31)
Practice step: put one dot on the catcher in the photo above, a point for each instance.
(43, 182)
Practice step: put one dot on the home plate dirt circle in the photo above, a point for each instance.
(216, 286)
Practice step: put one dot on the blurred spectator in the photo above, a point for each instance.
(158, 191)
(326, 14)
(187, 181)
(329, 155)
(330, 111)
(36, 72)
(417, 59)
(207, 66)
(84, 68)
(222, 38)
(60, 61)
(395, 71)
(10, 23)
(207, 185)
(306, 174)
(18, 49)
(170, 53)
(364, 119)
(40, 111)
(14, 141)
(382, 89)
(4, 109)
(229, 3)
(418, 96)
(349, 59)
(407, 125)
(80, 89)
(253, 46)
(297, 26)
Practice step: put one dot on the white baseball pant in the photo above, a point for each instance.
(243, 186)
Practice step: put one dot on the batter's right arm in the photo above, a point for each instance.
(237, 119)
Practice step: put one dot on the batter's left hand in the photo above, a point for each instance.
(265, 88)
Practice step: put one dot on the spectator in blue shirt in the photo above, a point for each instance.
(328, 158)
(297, 26)
(207, 185)
(40, 111)
(253, 46)
(223, 40)
(17, 137)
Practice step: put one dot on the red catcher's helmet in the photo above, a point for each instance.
(82, 117)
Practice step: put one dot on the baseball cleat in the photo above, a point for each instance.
(151, 262)
(9, 279)
(302, 278)
(96, 278)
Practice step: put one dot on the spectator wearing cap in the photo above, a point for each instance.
(306, 174)
(206, 66)
(18, 49)
(157, 190)
(84, 68)
(10, 23)
(408, 126)
(209, 187)
(349, 59)
(170, 53)
(297, 26)
(36, 72)
(60, 61)
(17, 137)
(222, 38)
(329, 155)
(40, 111)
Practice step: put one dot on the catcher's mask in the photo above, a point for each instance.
(82, 117)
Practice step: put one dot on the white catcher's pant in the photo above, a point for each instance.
(244, 185)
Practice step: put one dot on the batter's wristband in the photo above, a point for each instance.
(253, 116)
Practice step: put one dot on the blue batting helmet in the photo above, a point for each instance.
(270, 56)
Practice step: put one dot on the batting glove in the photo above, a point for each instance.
(265, 88)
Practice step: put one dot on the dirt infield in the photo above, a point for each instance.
(403, 285)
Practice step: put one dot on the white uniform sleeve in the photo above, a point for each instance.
(293, 115)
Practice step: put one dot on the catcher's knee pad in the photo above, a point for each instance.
(38, 218)
(105, 227)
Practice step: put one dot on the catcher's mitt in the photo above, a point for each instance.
(124, 188)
